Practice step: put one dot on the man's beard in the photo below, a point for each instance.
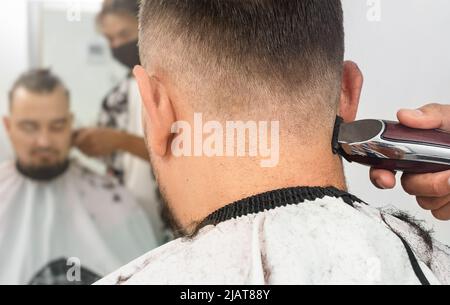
(44, 172)
(168, 216)
(171, 221)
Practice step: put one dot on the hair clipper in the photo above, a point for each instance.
(392, 146)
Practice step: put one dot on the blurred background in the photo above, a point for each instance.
(402, 47)
(60, 35)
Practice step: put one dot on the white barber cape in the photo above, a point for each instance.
(295, 236)
(77, 224)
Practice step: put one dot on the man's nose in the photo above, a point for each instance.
(43, 139)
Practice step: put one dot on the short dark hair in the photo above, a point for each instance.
(290, 43)
(37, 81)
(130, 7)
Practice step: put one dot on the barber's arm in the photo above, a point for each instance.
(431, 190)
(101, 142)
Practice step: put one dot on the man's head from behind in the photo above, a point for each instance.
(40, 123)
(272, 60)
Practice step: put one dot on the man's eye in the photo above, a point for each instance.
(58, 127)
(29, 128)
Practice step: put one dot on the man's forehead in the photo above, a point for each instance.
(38, 104)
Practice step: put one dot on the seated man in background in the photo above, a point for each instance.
(59, 222)
(286, 221)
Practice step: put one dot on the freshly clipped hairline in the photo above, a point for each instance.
(155, 34)
(328, 76)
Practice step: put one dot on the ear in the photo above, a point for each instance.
(158, 115)
(352, 82)
(7, 124)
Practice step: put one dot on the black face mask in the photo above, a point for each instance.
(127, 54)
(44, 173)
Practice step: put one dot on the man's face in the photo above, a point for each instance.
(119, 29)
(40, 127)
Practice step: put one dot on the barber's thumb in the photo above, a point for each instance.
(431, 116)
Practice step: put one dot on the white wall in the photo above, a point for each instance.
(406, 61)
(13, 56)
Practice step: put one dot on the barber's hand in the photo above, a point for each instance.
(432, 190)
(97, 142)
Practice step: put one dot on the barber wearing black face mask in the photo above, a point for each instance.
(119, 136)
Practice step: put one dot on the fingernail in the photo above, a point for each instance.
(379, 183)
(418, 112)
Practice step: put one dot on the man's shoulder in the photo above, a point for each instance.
(231, 252)
(136, 271)
(320, 241)
(215, 256)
